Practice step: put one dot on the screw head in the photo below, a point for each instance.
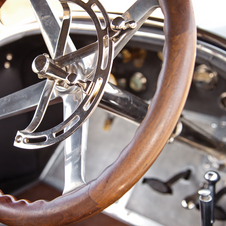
(118, 24)
(18, 138)
(212, 176)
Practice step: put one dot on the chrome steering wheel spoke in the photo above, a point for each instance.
(64, 31)
(74, 146)
(42, 106)
(50, 25)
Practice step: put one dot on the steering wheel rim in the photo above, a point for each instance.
(150, 138)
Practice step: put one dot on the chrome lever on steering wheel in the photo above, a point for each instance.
(41, 69)
(40, 66)
(93, 90)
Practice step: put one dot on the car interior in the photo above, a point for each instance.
(116, 114)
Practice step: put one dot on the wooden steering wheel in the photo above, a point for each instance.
(149, 140)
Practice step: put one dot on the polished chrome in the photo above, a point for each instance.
(138, 13)
(22, 101)
(212, 176)
(95, 89)
(76, 55)
(73, 180)
(138, 82)
(133, 18)
(64, 31)
(50, 29)
(49, 25)
(190, 201)
(42, 106)
(43, 66)
(119, 24)
(205, 78)
(55, 158)
(75, 146)
(46, 18)
(74, 154)
(28, 98)
(123, 104)
(177, 131)
(205, 195)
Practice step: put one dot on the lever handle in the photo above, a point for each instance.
(165, 187)
(205, 201)
(212, 178)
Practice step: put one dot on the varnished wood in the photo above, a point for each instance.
(149, 140)
(1, 2)
(44, 191)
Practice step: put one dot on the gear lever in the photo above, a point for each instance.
(212, 178)
(165, 187)
(205, 201)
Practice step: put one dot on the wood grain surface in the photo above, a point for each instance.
(1, 2)
(44, 191)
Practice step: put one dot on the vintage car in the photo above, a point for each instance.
(115, 107)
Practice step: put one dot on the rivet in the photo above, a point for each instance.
(9, 56)
(7, 65)
(18, 139)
